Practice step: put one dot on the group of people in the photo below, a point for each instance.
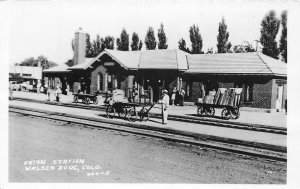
(41, 89)
(47, 90)
(177, 97)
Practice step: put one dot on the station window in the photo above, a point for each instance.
(109, 81)
(100, 82)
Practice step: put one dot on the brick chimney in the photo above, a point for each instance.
(79, 47)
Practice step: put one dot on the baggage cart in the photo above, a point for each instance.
(128, 111)
(230, 104)
(209, 110)
(86, 98)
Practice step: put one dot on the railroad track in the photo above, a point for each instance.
(253, 149)
(189, 119)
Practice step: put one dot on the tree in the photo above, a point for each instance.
(90, 47)
(123, 41)
(51, 64)
(89, 51)
(182, 45)
(283, 39)
(196, 40)
(243, 48)
(98, 45)
(162, 39)
(269, 29)
(150, 40)
(223, 44)
(45, 64)
(16, 77)
(108, 42)
(140, 44)
(136, 43)
(28, 62)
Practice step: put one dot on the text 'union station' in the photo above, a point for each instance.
(263, 79)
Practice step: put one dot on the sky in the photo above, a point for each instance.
(47, 27)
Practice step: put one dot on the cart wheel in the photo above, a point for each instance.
(95, 101)
(210, 111)
(144, 116)
(226, 114)
(131, 115)
(75, 99)
(110, 111)
(235, 114)
(87, 101)
(200, 111)
(123, 112)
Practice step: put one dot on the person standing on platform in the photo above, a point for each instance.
(47, 91)
(173, 97)
(135, 94)
(58, 91)
(38, 87)
(165, 104)
(181, 94)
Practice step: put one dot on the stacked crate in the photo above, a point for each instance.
(228, 97)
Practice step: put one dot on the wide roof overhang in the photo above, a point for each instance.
(206, 64)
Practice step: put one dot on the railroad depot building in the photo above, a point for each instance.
(263, 79)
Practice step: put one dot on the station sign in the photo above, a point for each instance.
(109, 63)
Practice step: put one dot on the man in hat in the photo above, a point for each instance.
(165, 105)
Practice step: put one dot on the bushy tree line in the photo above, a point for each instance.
(269, 29)
(197, 41)
(45, 64)
(93, 48)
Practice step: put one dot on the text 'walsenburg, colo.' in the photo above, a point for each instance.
(75, 165)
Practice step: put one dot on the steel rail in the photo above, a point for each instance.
(189, 119)
(256, 150)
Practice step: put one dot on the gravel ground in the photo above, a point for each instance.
(124, 158)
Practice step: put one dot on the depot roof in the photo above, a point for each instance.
(163, 59)
(87, 62)
(133, 60)
(254, 63)
(58, 69)
(235, 63)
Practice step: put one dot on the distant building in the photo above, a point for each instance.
(26, 72)
(262, 78)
